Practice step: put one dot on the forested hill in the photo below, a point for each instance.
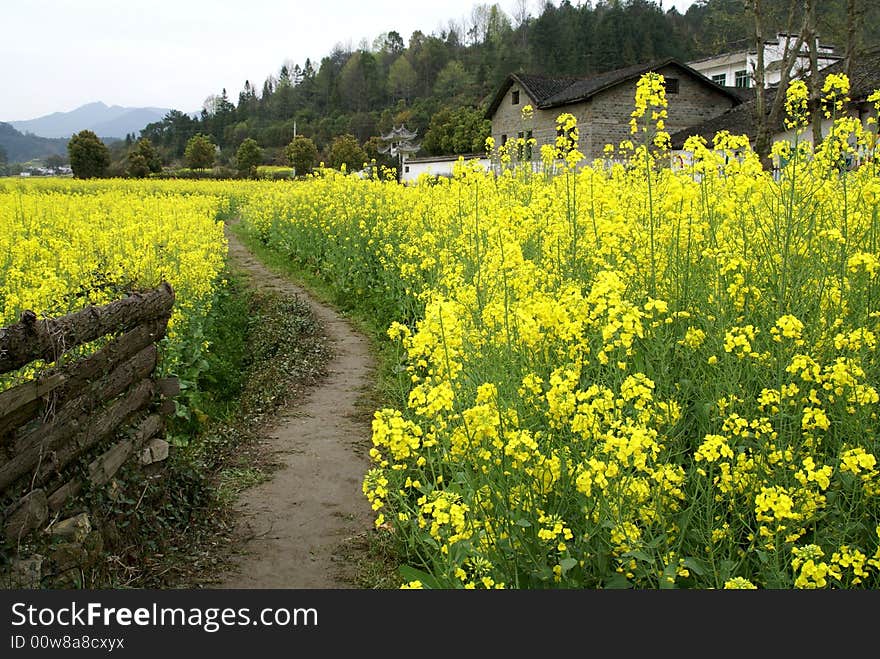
(438, 83)
(20, 147)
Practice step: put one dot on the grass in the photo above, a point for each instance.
(375, 555)
(176, 528)
(388, 389)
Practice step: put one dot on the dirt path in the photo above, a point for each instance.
(296, 521)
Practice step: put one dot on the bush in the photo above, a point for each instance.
(89, 156)
(248, 157)
(302, 154)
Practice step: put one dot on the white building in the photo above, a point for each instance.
(737, 68)
(437, 166)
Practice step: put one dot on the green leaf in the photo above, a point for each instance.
(639, 555)
(669, 572)
(695, 565)
(523, 523)
(567, 563)
(410, 573)
(617, 582)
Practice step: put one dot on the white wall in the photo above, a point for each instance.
(412, 169)
(730, 63)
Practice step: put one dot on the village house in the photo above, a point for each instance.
(602, 104)
(864, 78)
(736, 68)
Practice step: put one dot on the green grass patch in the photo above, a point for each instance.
(391, 381)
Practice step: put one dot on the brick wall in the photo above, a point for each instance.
(508, 121)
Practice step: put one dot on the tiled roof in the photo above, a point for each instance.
(549, 92)
(540, 88)
(583, 88)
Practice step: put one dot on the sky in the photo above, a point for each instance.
(59, 54)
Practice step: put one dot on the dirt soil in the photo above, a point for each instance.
(294, 525)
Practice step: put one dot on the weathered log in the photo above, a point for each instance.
(48, 339)
(79, 374)
(60, 496)
(75, 437)
(105, 466)
(70, 415)
(117, 351)
(168, 388)
(25, 516)
(17, 397)
(10, 422)
(98, 429)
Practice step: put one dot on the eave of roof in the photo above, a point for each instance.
(532, 85)
(613, 78)
(577, 90)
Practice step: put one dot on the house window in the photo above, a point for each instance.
(741, 78)
(406, 168)
(671, 85)
(720, 79)
(514, 97)
(503, 140)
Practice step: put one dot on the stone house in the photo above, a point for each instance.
(602, 104)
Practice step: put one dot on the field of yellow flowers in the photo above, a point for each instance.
(613, 374)
(66, 244)
(620, 374)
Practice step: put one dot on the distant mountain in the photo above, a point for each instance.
(21, 148)
(105, 121)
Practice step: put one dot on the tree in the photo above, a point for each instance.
(460, 131)
(248, 156)
(302, 155)
(199, 152)
(89, 156)
(402, 79)
(53, 161)
(453, 82)
(143, 159)
(345, 150)
(768, 111)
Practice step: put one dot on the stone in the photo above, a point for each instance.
(67, 556)
(72, 529)
(156, 450)
(25, 573)
(28, 514)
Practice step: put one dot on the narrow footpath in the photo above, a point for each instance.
(295, 523)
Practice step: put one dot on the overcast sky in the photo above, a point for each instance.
(56, 55)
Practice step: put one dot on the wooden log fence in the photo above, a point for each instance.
(76, 407)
